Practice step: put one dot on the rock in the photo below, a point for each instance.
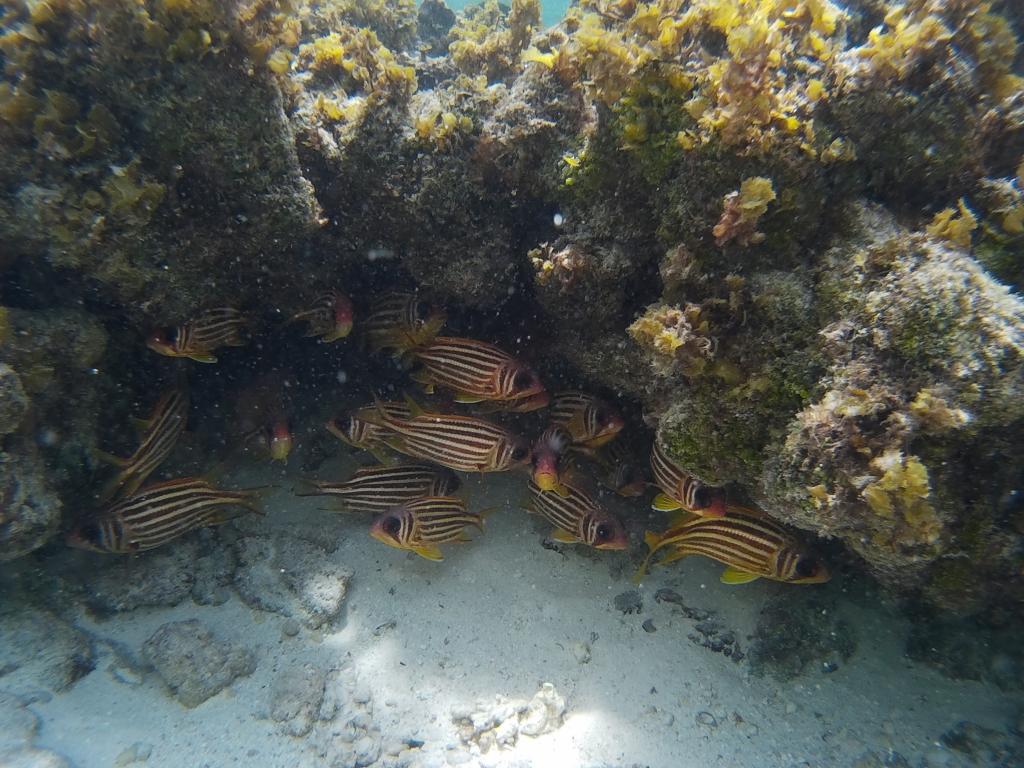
(138, 752)
(296, 697)
(501, 722)
(18, 723)
(161, 578)
(629, 602)
(13, 400)
(38, 648)
(292, 577)
(581, 652)
(968, 650)
(983, 746)
(30, 757)
(345, 735)
(794, 631)
(29, 509)
(193, 663)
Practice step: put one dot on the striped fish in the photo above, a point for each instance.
(402, 322)
(680, 490)
(589, 419)
(159, 435)
(159, 513)
(547, 458)
(475, 371)
(379, 488)
(749, 543)
(330, 317)
(463, 443)
(622, 474)
(420, 525)
(354, 429)
(578, 518)
(199, 337)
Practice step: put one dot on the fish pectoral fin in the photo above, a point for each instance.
(428, 551)
(562, 490)
(664, 503)
(562, 535)
(200, 357)
(652, 540)
(682, 517)
(461, 397)
(735, 576)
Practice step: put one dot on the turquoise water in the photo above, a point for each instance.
(550, 11)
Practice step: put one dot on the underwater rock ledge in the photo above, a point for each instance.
(714, 259)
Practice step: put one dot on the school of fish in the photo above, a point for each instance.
(420, 445)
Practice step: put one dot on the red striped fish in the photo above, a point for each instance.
(464, 443)
(198, 338)
(330, 317)
(354, 429)
(750, 544)
(548, 458)
(475, 371)
(159, 435)
(402, 322)
(379, 488)
(422, 524)
(680, 490)
(589, 419)
(578, 518)
(622, 473)
(159, 513)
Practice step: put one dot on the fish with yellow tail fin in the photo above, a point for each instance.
(198, 338)
(401, 322)
(330, 317)
(274, 438)
(590, 420)
(548, 459)
(462, 443)
(476, 372)
(379, 488)
(420, 525)
(680, 490)
(577, 518)
(353, 429)
(159, 513)
(159, 434)
(749, 543)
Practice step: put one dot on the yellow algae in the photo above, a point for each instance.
(533, 55)
(742, 210)
(280, 61)
(678, 338)
(934, 413)
(954, 225)
(815, 89)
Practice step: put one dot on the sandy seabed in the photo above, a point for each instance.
(418, 641)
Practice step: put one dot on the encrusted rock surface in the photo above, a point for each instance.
(38, 648)
(193, 662)
(500, 723)
(29, 508)
(292, 577)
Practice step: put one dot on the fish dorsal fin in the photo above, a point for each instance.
(735, 576)
(562, 535)
(428, 551)
(665, 503)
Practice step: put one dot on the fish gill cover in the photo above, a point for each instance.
(788, 233)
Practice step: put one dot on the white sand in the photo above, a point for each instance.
(501, 616)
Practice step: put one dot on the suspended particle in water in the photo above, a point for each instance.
(342, 377)
(379, 252)
(559, 219)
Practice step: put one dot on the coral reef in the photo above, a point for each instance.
(42, 649)
(503, 721)
(193, 663)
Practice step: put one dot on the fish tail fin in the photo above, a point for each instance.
(653, 542)
(112, 488)
(109, 458)
(252, 498)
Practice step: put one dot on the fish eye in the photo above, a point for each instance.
(604, 532)
(806, 567)
(702, 497)
(523, 380)
(452, 485)
(392, 525)
(422, 310)
(518, 453)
